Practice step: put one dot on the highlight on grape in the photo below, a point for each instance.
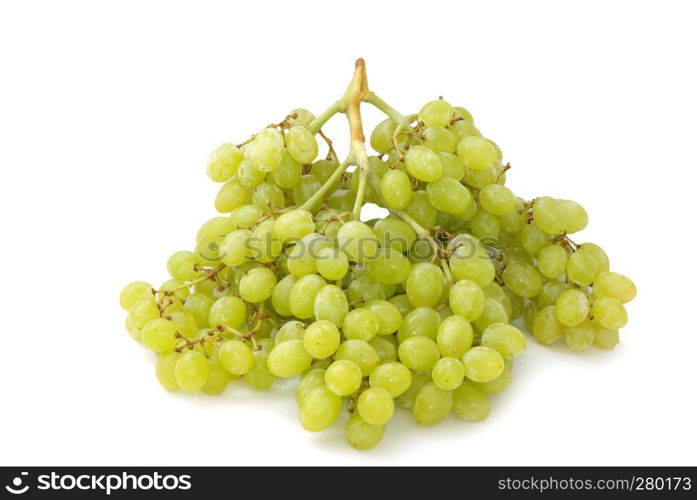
(416, 310)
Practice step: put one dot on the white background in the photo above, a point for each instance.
(108, 111)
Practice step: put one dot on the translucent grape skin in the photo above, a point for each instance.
(319, 409)
(321, 339)
(396, 188)
(191, 371)
(343, 377)
(394, 377)
(469, 403)
(375, 405)
(432, 404)
(362, 435)
(482, 364)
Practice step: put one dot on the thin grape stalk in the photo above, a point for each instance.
(409, 311)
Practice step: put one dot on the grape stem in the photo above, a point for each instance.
(210, 275)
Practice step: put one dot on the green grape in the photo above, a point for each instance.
(546, 328)
(506, 339)
(499, 384)
(259, 377)
(530, 312)
(516, 254)
(182, 266)
(423, 321)
(289, 331)
(424, 284)
(394, 233)
(470, 403)
(440, 140)
(191, 371)
(268, 197)
(476, 153)
(218, 378)
(287, 174)
(227, 311)
(231, 195)
(395, 187)
(302, 295)
(485, 226)
(482, 364)
(301, 143)
(401, 302)
(305, 188)
(361, 324)
(323, 170)
(364, 289)
(419, 379)
(135, 291)
(480, 178)
(432, 404)
(494, 312)
(550, 292)
(423, 163)
(581, 268)
(449, 195)
(321, 339)
(331, 263)
(606, 338)
(601, 259)
(469, 264)
(265, 151)
(293, 225)
(288, 359)
(389, 266)
(418, 353)
(319, 409)
(467, 299)
(132, 331)
(534, 239)
(362, 435)
(211, 234)
(452, 166)
(580, 337)
(185, 323)
(223, 162)
(381, 137)
(421, 210)
(311, 380)
(575, 216)
(361, 353)
(180, 292)
(343, 377)
(235, 248)
(331, 304)
(608, 312)
(386, 347)
(389, 316)
(358, 241)
(236, 357)
(436, 113)
(462, 129)
(280, 297)
(614, 285)
(548, 215)
(454, 336)
(516, 305)
(514, 221)
(393, 377)
(572, 307)
(375, 405)
(497, 199)
(164, 370)
(341, 200)
(257, 284)
(448, 373)
(464, 114)
(142, 312)
(300, 257)
(522, 279)
(249, 174)
(300, 116)
(552, 261)
(263, 245)
(354, 182)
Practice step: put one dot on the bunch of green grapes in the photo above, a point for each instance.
(412, 310)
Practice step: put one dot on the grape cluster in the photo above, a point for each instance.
(412, 310)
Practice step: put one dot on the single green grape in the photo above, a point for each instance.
(602, 261)
(440, 140)
(449, 195)
(185, 323)
(418, 353)
(470, 403)
(302, 295)
(396, 189)
(259, 377)
(395, 234)
(235, 250)
(432, 404)
(358, 240)
(361, 353)
(218, 378)
(467, 263)
(389, 316)
(552, 261)
(448, 373)
(482, 364)
(616, 285)
(183, 266)
(485, 226)
(319, 409)
(223, 162)
(419, 379)
(364, 289)
(581, 268)
(421, 321)
(300, 257)
(265, 151)
(164, 370)
(236, 357)
(386, 347)
(548, 215)
(550, 292)
(467, 299)
(499, 384)
(280, 297)
(331, 263)
(423, 163)
(312, 379)
(389, 266)
(436, 113)
(135, 291)
(362, 435)
(227, 311)
(159, 335)
(343, 377)
(321, 339)
(293, 225)
(454, 336)
(608, 312)
(289, 331)
(580, 337)
(331, 304)
(301, 144)
(191, 371)
(375, 405)
(506, 339)
(452, 166)
(381, 137)
(257, 284)
(288, 359)
(572, 307)
(522, 279)
(606, 338)
(268, 197)
(533, 239)
(394, 377)
(546, 327)
(232, 194)
(497, 199)
(424, 284)
(305, 188)
(493, 312)
(477, 153)
(575, 216)
(249, 174)
(421, 210)
(361, 323)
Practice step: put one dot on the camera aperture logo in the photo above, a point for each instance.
(101, 482)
